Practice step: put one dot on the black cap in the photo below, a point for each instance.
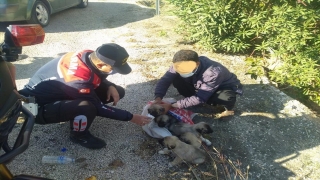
(114, 55)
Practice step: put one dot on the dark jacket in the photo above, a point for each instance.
(71, 77)
(209, 77)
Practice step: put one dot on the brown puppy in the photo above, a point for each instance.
(191, 139)
(156, 110)
(183, 152)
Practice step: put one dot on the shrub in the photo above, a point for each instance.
(281, 38)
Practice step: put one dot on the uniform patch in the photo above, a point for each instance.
(84, 91)
(71, 68)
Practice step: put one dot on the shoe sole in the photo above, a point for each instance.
(85, 144)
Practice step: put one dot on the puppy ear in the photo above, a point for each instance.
(186, 141)
(161, 120)
(208, 129)
(161, 110)
(151, 111)
(170, 147)
(204, 129)
(161, 124)
(199, 130)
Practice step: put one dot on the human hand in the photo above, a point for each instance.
(158, 100)
(112, 92)
(174, 105)
(140, 120)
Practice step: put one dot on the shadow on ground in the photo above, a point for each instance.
(269, 133)
(27, 70)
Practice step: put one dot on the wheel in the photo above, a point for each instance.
(83, 4)
(40, 14)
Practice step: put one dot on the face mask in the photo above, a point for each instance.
(189, 74)
(101, 72)
(109, 73)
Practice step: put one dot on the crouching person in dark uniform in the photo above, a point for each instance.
(199, 80)
(74, 88)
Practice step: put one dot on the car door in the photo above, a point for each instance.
(71, 3)
(57, 5)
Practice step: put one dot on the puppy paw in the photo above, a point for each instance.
(207, 142)
(164, 151)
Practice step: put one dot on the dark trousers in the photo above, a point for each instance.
(80, 113)
(223, 96)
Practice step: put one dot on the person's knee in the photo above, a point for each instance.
(121, 91)
(81, 108)
(226, 98)
(230, 105)
(86, 108)
(85, 112)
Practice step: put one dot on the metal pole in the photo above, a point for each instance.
(157, 7)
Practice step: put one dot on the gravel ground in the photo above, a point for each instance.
(274, 134)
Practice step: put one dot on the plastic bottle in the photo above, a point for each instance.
(57, 160)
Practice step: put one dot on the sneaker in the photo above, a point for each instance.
(86, 139)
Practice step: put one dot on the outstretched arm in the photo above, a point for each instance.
(140, 120)
(163, 84)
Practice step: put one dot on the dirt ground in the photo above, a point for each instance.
(272, 136)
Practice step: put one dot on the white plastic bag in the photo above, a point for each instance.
(152, 129)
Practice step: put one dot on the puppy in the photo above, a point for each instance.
(156, 110)
(176, 127)
(183, 152)
(191, 139)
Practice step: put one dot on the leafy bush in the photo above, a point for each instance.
(280, 37)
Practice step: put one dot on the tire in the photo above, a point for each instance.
(40, 14)
(83, 4)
